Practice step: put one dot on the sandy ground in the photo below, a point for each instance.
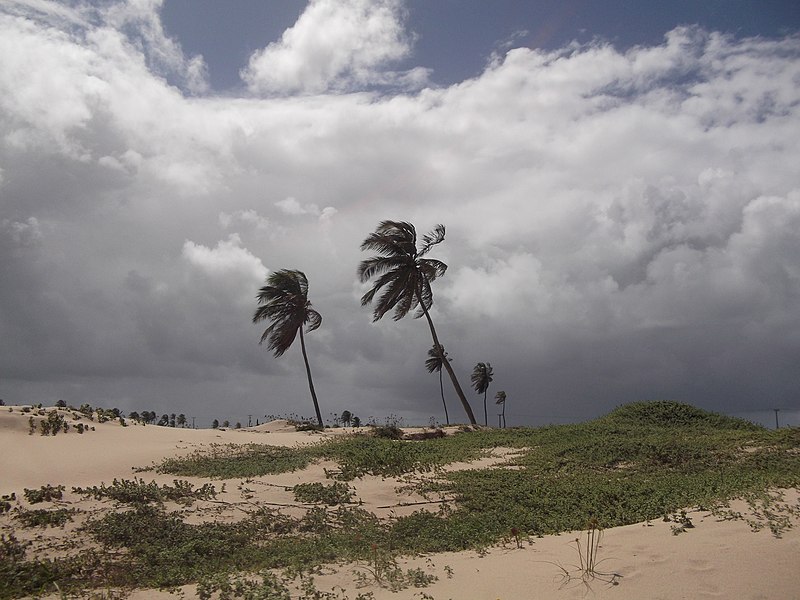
(715, 559)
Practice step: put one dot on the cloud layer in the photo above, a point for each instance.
(622, 224)
(336, 45)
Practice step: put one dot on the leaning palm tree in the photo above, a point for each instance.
(284, 302)
(481, 378)
(435, 362)
(500, 398)
(405, 278)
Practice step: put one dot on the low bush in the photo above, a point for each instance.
(46, 493)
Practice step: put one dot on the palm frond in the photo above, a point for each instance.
(430, 239)
(481, 377)
(398, 295)
(500, 397)
(437, 356)
(377, 265)
(403, 278)
(313, 319)
(284, 302)
(432, 268)
(392, 238)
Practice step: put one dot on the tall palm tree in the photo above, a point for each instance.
(435, 362)
(500, 398)
(481, 378)
(284, 302)
(405, 277)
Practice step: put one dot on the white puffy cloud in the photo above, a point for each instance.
(621, 225)
(334, 46)
(290, 206)
(227, 257)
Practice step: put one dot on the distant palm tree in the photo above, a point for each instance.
(405, 276)
(284, 302)
(347, 418)
(481, 378)
(435, 362)
(500, 398)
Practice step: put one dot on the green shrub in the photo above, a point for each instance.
(44, 518)
(46, 493)
(138, 492)
(5, 502)
(319, 493)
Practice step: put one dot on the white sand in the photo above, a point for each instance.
(715, 559)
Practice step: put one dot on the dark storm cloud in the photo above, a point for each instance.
(620, 225)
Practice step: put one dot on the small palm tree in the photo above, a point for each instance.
(481, 378)
(347, 418)
(500, 398)
(405, 278)
(284, 302)
(435, 362)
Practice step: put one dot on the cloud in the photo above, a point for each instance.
(336, 45)
(248, 217)
(164, 55)
(22, 234)
(228, 257)
(290, 206)
(621, 224)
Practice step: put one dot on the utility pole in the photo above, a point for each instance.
(192, 422)
(776, 417)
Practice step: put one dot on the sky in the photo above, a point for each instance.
(618, 181)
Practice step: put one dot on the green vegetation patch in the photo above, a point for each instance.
(230, 461)
(672, 414)
(357, 455)
(46, 493)
(44, 518)
(138, 492)
(319, 493)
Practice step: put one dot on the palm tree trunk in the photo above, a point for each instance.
(310, 382)
(441, 389)
(504, 415)
(485, 412)
(446, 363)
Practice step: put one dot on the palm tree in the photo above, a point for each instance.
(481, 378)
(500, 398)
(284, 302)
(405, 276)
(435, 362)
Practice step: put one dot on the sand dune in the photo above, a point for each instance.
(715, 559)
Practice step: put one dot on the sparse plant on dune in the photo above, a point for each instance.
(319, 493)
(44, 518)
(138, 492)
(381, 568)
(46, 493)
(588, 552)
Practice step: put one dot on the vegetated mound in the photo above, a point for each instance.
(673, 414)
